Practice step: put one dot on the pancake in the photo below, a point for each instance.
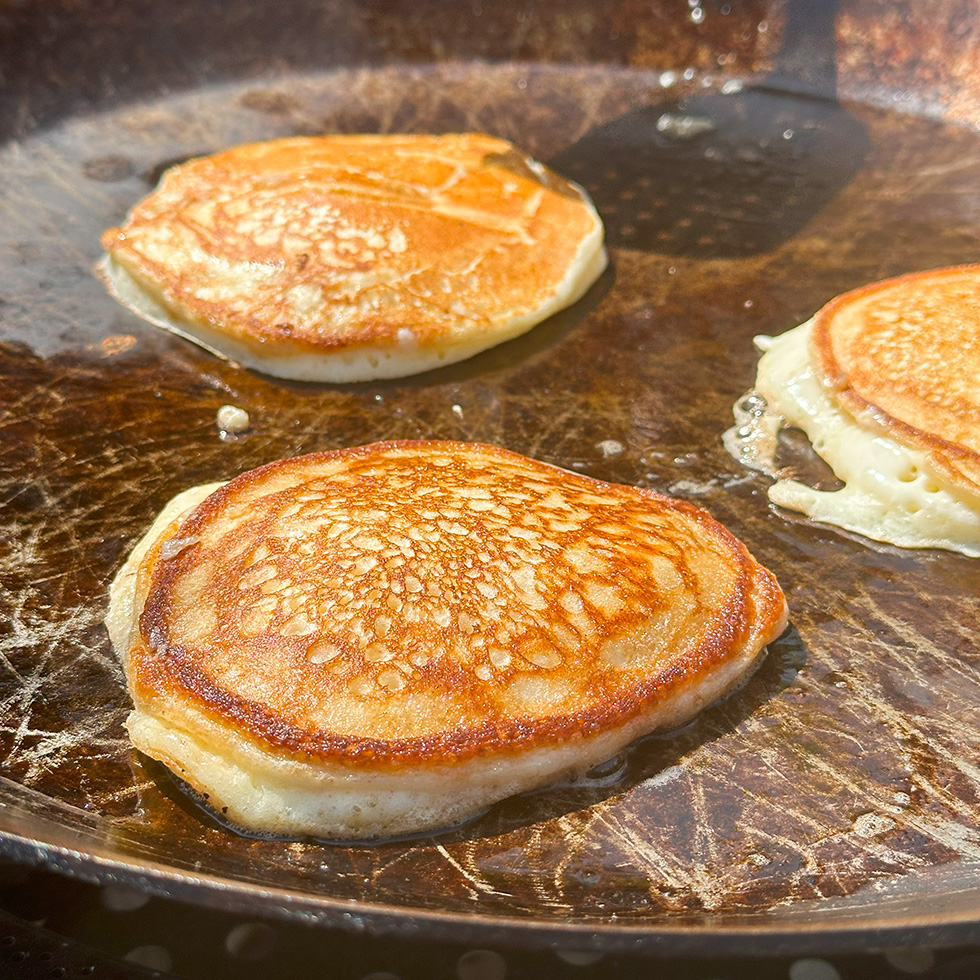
(387, 639)
(883, 382)
(351, 258)
(907, 351)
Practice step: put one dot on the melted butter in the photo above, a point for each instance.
(892, 492)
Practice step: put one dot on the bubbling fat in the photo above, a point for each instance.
(892, 491)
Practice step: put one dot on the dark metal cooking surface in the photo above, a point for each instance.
(833, 799)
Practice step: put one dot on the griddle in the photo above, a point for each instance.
(832, 802)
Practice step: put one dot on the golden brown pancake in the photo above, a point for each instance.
(348, 258)
(387, 639)
(907, 351)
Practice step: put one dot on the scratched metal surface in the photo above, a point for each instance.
(834, 798)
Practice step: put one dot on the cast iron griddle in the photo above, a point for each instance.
(833, 799)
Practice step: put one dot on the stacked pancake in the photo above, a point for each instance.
(883, 380)
(387, 639)
(349, 258)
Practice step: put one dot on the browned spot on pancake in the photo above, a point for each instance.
(419, 601)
